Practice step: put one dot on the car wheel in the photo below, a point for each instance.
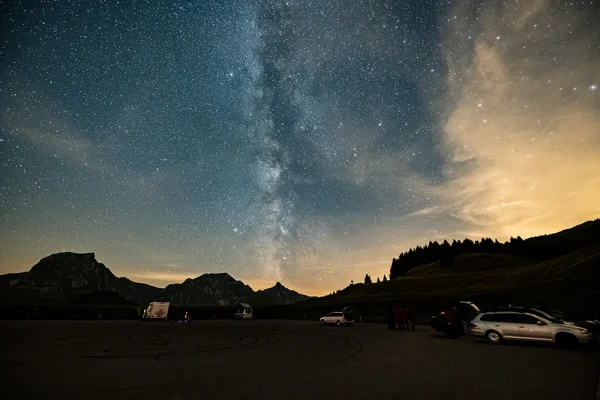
(338, 323)
(322, 322)
(566, 340)
(493, 337)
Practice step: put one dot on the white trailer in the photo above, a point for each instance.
(157, 310)
(245, 312)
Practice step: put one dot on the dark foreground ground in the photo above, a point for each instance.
(274, 359)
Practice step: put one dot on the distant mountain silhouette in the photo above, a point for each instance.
(278, 294)
(209, 289)
(222, 289)
(71, 275)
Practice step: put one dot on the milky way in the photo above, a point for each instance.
(305, 142)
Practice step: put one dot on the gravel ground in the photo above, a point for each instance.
(276, 359)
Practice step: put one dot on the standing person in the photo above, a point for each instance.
(397, 317)
(450, 316)
(456, 323)
(462, 318)
(410, 315)
(468, 314)
(403, 318)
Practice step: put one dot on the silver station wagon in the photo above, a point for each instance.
(514, 325)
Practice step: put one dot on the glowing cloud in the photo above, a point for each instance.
(523, 136)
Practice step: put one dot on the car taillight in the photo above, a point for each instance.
(472, 325)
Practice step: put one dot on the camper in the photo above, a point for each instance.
(244, 312)
(157, 310)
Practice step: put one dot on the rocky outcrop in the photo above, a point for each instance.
(76, 273)
(67, 272)
(209, 289)
(278, 294)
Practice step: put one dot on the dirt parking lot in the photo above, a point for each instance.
(274, 359)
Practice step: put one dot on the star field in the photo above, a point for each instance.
(301, 142)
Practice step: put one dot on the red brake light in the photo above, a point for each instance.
(472, 325)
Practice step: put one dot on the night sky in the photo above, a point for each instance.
(306, 142)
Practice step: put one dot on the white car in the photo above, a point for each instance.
(338, 318)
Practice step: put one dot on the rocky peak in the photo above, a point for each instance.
(60, 263)
(210, 289)
(278, 294)
(66, 272)
(223, 277)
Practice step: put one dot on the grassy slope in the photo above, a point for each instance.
(469, 263)
(570, 282)
(586, 233)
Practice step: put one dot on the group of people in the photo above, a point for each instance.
(454, 321)
(400, 317)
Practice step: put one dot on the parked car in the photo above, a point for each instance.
(338, 318)
(557, 317)
(497, 326)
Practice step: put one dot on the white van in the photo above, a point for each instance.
(245, 312)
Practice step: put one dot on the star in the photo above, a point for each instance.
(249, 136)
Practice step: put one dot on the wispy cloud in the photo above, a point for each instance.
(36, 119)
(33, 118)
(523, 136)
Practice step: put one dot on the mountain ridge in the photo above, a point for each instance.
(468, 271)
(69, 274)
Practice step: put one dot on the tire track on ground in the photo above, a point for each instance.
(246, 340)
(351, 348)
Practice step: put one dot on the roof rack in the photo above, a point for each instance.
(523, 309)
(513, 308)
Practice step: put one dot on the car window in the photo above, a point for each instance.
(499, 317)
(504, 317)
(526, 319)
(338, 314)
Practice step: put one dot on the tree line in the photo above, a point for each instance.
(369, 280)
(540, 248)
